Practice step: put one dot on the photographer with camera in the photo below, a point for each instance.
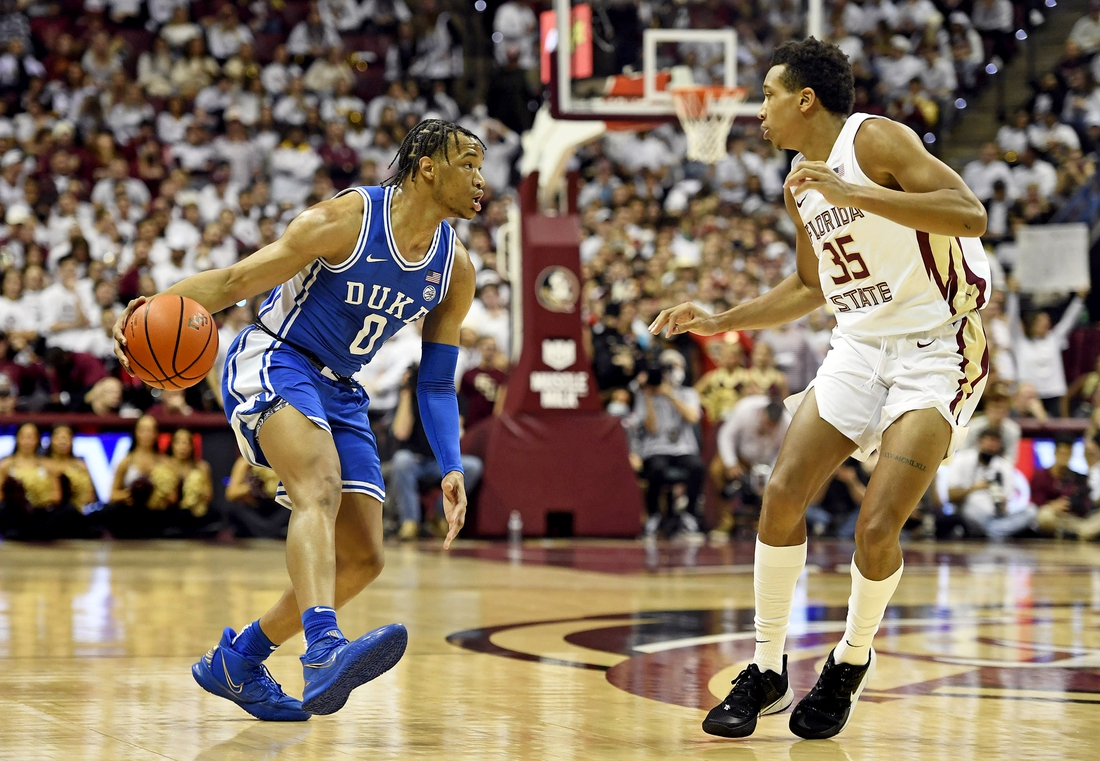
(664, 418)
(1062, 495)
(978, 484)
(748, 445)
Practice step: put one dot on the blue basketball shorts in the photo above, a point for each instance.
(257, 375)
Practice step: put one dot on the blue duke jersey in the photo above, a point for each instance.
(341, 314)
(344, 313)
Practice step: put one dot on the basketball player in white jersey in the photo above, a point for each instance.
(888, 237)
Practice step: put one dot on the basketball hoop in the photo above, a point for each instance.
(707, 113)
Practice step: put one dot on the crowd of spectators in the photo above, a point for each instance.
(141, 142)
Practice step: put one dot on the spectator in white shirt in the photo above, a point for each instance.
(214, 99)
(980, 482)
(226, 35)
(518, 29)
(1038, 348)
(1086, 30)
(342, 104)
(293, 108)
(64, 320)
(101, 61)
(166, 274)
(980, 174)
(277, 74)
(384, 16)
(154, 69)
(345, 15)
(1032, 170)
(195, 70)
(325, 73)
(218, 194)
(244, 157)
(195, 155)
(172, 122)
(1047, 133)
(127, 115)
(501, 149)
(489, 316)
(292, 165)
(1012, 138)
(180, 30)
(119, 177)
(312, 36)
(899, 68)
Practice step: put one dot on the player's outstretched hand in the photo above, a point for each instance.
(685, 318)
(120, 339)
(454, 505)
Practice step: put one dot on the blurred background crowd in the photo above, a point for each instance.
(142, 141)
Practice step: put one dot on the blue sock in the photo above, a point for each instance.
(253, 643)
(320, 622)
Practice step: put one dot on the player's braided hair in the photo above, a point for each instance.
(426, 139)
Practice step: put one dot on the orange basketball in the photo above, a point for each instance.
(171, 342)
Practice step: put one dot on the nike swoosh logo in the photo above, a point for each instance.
(323, 610)
(925, 346)
(237, 688)
(329, 662)
(798, 201)
(372, 260)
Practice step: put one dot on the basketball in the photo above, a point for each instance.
(171, 342)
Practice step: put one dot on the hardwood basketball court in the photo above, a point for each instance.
(555, 650)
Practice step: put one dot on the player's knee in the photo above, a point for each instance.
(319, 489)
(363, 567)
(875, 531)
(784, 495)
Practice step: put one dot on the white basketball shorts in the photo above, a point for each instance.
(867, 383)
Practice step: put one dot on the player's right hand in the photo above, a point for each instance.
(120, 324)
(685, 318)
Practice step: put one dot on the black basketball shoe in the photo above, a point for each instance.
(827, 709)
(754, 694)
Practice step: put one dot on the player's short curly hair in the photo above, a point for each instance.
(820, 66)
(430, 138)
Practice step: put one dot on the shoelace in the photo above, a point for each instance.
(748, 684)
(265, 678)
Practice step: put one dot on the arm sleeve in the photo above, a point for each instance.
(435, 392)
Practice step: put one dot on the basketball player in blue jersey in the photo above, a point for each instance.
(346, 275)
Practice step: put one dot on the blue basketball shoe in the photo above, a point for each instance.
(227, 674)
(334, 667)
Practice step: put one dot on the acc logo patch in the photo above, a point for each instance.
(557, 289)
(429, 293)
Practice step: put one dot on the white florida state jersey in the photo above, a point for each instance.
(882, 278)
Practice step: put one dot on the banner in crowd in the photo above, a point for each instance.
(1053, 258)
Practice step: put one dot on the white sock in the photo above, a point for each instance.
(866, 607)
(775, 573)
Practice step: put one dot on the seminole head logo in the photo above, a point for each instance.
(197, 321)
(558, 289)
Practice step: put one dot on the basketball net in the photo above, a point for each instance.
(706, 113)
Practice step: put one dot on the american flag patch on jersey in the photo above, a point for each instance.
(434, 277)
(839, 171)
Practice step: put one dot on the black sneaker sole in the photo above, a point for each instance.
(825, 734)
(718, 729)
(383, 658)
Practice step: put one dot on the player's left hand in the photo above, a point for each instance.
(454, 505)
(816, 175)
